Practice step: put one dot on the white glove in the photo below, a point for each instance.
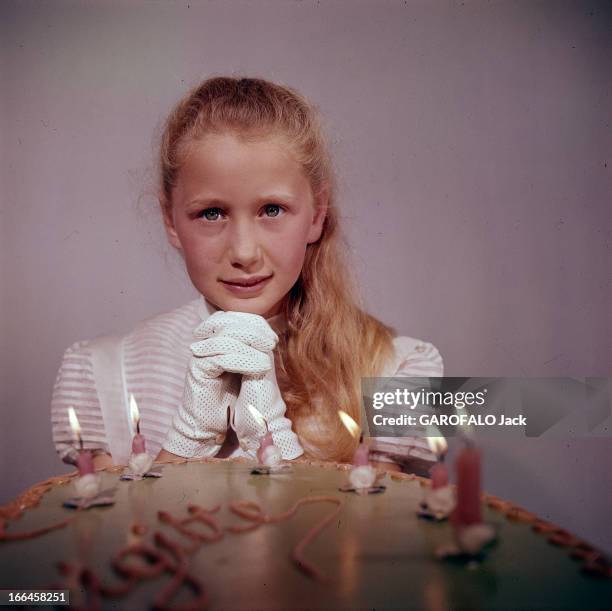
(229, 343)
(200, 424)
(252, 341)
(235, 342)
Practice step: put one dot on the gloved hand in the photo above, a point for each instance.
(230, 343)
(252, 342)
(211, 386)
(235, 342)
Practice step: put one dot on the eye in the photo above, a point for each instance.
(211, 214)
(272, 210)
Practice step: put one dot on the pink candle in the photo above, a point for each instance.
(468, 510)
(266, 442)
(138, 444)
(85, 462)
(439, 475)
(361, 458)
(138, 441)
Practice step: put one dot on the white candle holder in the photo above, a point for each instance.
(88, 485)
(471, 544)
(140, 463)
(269, 455)
(437, 504)
(139, 467)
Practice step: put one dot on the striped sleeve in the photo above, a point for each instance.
(414, 358)
(417, 358)
(75, 386)
(156, 356)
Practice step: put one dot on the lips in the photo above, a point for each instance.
(246, 281)
(246, 287)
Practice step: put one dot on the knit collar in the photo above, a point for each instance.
(278, 322)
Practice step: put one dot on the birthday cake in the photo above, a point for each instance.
(210, 533)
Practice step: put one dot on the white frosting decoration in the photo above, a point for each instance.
(473, 538)
(440, 501)
(88, 486)
(140, 463)
(362, 477)
(271, 456)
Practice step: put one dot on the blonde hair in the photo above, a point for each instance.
(330, 341)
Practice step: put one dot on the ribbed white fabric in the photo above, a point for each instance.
(422, 360)
(111, 389)
(156, 356)
(230, 343)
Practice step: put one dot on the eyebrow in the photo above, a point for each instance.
(216, 201)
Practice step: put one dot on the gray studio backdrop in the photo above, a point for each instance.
(473, 144)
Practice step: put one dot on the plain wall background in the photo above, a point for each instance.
(473, 146)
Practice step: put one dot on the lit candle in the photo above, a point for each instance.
(138, 442)
(472, 535)
(268, 454)
(140, 462)
(468, 510)
(439, 497)
(87, 485)
(266, 441)
(84, 458)
(362, 475)
(362, 453)
(439, 472)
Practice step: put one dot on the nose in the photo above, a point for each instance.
(244, 248)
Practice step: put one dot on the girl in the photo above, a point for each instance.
(248, 197)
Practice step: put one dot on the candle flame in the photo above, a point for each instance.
(437, 445)
(134, 413)
(351, 426)
(74, 423)
(261, 421)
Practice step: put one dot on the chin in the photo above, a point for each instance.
(243, 305)
(255, 305)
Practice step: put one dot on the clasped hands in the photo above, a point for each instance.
(232, 366)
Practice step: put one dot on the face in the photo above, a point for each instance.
(243, 215)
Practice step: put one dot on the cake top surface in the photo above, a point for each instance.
(375, 552)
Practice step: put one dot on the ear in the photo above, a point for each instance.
(321, 206)
(169, 225)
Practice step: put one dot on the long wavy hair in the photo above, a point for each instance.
(330, 342)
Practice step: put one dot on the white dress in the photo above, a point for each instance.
(97, 376)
